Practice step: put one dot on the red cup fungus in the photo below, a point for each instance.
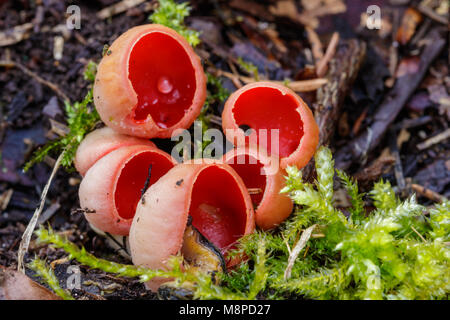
(149, 83)
(99, 143)
(112, 187)
(211, 193)
(262, 175)
(268, 105)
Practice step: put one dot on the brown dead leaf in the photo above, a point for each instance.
(14, 285)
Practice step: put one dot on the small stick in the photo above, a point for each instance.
(433, 15)
(430, 194)
(398, 168)
(26, 237)
(147, 182)
(318, 235)
(120, 246)
(297, 86)
(316, 44)
(215, 119)
(417, 232)
(433, 140)
(118, 8)
(296, 250)
(306, 251)
(58, 261)
(5, 197)
(322, 64)
(359, 121)
(254, 190)
(412, 123)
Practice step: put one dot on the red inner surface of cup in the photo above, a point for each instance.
(217, 207)
(133, 177)
(163, 78)
(250, 170)
(267, 108)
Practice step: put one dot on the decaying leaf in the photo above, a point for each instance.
(15, 285)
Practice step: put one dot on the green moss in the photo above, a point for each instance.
(172, 15)
(48, 277)
(368, 256)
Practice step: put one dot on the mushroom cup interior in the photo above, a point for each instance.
(250, 170)
(268, 108)
(132, 179)
(218, 208)
(163, 78)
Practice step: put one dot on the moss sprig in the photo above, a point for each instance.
(216, 90)
(205, 288)
(48, 236)
(48, 277)
(356, 198)
(172, 15)
(249, 67)
(393, 252)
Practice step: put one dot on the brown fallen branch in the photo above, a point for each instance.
(343, 69)
(358, 148)
(342, 72)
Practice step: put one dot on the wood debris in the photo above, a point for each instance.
(301, 243)
(15, 35)
(15, 285)
(322, 64)
(434, 140)
(117, 8)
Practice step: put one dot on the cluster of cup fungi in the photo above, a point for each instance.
(150, 84)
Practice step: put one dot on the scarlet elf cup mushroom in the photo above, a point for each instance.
(257, 110)
(211, 193)
(99, 143)
(263, 176)
(112, 187)
(149, 83)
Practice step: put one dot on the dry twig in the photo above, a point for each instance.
(296, 250)
(26, 237)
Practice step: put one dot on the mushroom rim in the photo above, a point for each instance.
(246, 200)
(140, 149)
(125, 61)
(264, 159)
(301, 109)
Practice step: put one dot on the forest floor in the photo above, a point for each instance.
(390, 118)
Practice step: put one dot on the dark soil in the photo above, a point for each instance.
(230, 29)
